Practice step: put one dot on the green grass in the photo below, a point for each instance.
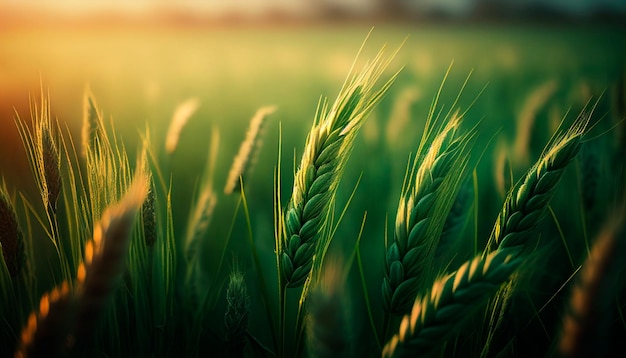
(138, 79)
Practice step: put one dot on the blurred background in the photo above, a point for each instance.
(530, 62)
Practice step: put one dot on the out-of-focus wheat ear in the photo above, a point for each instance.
(526, 119)
(105, 255)
(49, 162)
(249, 149)
(11, 236)
(527, 203)
(92, 120)
(503, 174)
(329, 333)
(148, 213)
(450, 303)
(586, 324)
(181, 115)
(200, 220)
(237, 313)
(590, 174)
(48, 330)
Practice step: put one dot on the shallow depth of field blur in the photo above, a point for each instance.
(141, 64)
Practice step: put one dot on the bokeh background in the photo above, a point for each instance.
(141, 59)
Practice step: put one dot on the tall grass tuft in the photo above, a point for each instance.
(327, 149)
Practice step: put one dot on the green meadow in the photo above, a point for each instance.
(529, 175)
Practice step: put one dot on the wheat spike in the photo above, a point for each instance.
(11, 236)
(425, 202)
(182, 113)
(327, 149)
(47, 331)
(237, 313)
(527, 202)
(105, 254)
(148, 213)
(249, 148)
(526, 120)
(49, 163)
(328, 315)
(585, 326)
(451, 300)
(91, 123)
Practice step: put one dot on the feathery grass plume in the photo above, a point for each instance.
(11, 236)
(328, 146)
(425, 202)
(182, 113)
(328, 315)
(237, 313)
(105, 255)
(585, 327)
(249, 149)
(46, 333)
(527, 202)
(526, 119)
(449, 303)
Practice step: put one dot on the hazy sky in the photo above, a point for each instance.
(259, 6)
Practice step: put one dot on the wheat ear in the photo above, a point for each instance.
(105, 255)
(243, 162)
(181, 115)
(585, 326)
(47, 331)
(11, 236)
(450, 301)
(328, 315)
(527, 202)
(424, 204)
(328, 146)
(237, 313)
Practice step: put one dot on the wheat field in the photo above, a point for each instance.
(313, 191)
